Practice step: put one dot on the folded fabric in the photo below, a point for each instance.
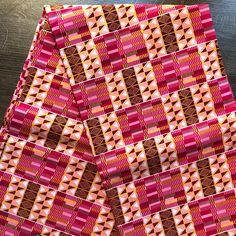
(123, 123)
(159, 113)
(49, 183)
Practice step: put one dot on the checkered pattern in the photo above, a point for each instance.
(46, 206)
(159, 116)
(45, 55)
(132, 45)
(11, 224)
(168, 151)
(49, 91)
(174, 187)
(45, 128)
(158, 111)
(81, 23)
(202, 217)
(50, 168)
(143, 89)
(46, 168)
(157, 77)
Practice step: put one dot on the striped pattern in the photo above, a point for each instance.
(95, 20)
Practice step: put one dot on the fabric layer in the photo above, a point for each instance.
(122, 123)
(49, 182)
(159, 113)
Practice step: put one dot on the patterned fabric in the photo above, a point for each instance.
(149, 80)
(135, 44)
(168, 151)
(123, 122)
(48, 179)
(159, 116)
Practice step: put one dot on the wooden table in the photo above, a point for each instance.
(18, 20)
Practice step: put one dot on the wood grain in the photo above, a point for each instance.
(18, 20)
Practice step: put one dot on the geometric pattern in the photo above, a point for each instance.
(174, 110)
(168, 223)
(138, 163)
(153, 225)
(189, 107)
(36, 88)
(13, 201)
(228, 129)
(143, 88)
(207, 214)
(218, 87)
(96, 135)
(153, 38)
(159, 116)
(170, 42)
(12, 223)
(210, 60)
(89, 59)
(127, 15)
(105, 224)
(111, 131)
(42, 130)
(220, 173)
(183, 220)
(117, 91)
(183, 28)
(132, 86)
(159, 113)
(48, 91)
(174, 187)
(154, 78)
(75, 67)
(43, 205)
(45, 128)
(206, 178)
(203, 100)
(11, 153)
(168, 151)
(131, 208)
(49, 61)
(192, 182)
(134, 44)
(146, 80)
(193, 218)
(112, 18)
(93, 22)
(50, 168)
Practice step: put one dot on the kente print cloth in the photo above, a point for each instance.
(49, 182)
(123, 123)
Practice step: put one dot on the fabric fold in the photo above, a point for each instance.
(49, 182)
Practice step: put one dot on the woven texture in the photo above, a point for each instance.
(123, 123)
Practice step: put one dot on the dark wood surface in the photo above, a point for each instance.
(18, 20)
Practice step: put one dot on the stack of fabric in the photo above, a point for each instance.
(123, 123)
